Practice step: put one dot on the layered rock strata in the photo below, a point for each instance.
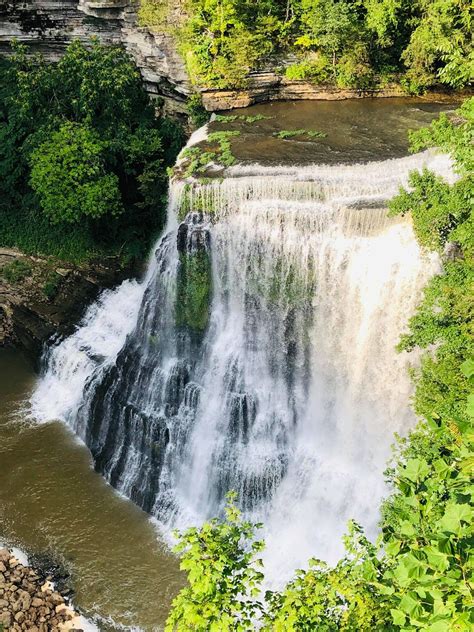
(48, 26)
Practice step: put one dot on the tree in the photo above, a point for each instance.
(441, 45)
(443, 214)
(330, 25)
(79, 139)
(421, 42)
(223, 574)
(69, 177)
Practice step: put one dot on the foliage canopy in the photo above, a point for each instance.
(353, 43)
(82, 155)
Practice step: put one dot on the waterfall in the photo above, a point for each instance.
(257, 355)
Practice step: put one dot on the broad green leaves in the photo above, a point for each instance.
(224, 580)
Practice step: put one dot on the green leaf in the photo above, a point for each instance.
(411, 604)
(454, 515)
(407, 528)
(398, 617)
(467, 368)
(416, 469)
(470, 405)
(436, 559)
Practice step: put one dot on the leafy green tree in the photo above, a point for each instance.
(428, 530)
(333, 599)
(68, 175)
(443, 214)
(223, 574)
(330, 25)
(421, 42)
(111, 159)
(441, 44)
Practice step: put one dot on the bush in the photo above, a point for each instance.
(16, 271)
(69, 177)
(51, 285)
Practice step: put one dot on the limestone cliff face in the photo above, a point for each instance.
(47, 26)
(269, 85)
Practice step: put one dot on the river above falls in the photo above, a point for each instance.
(51, 500)
(352, 131)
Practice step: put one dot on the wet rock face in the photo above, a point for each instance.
(39, 299)
(48, 26)
(194, 280)
(193, 234)
(29, 602)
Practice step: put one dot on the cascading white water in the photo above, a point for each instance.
(286, 387)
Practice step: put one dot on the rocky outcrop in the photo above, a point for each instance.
(29, 602)
(40, 298)
(269, 85)
(48, 26)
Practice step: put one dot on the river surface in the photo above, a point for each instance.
(356, 130)
(51, 500)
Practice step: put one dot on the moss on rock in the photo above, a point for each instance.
(194, 290)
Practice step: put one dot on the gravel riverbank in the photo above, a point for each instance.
(28, 600)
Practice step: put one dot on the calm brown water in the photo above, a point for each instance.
(50, 497)
(52, 500)
(357, 130)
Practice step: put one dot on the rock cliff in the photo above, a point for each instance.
(270, 85)
(40, 297)
(47, 26)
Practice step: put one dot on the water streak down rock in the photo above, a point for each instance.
(290, 389)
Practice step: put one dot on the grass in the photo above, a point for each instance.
(226, 118)
(220, 151)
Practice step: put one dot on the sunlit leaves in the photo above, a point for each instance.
(68, 175)
(350, 43)
(224, 577)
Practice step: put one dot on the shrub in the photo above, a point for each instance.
(16, 271)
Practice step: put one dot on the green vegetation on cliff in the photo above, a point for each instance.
(349, 43)
(82, 156)
(194, 292)
(419, 575)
